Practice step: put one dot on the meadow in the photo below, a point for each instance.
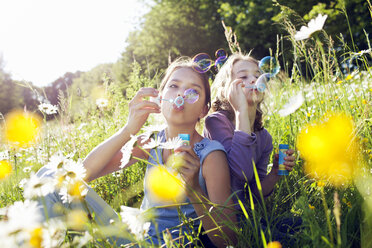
(319, 104)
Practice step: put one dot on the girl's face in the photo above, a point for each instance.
(180, 80)
(248, 71)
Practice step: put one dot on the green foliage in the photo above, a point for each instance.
(172, 29)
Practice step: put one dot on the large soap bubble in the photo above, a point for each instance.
(203, 62)
(269, 65)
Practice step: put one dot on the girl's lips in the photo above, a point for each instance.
(178, 108)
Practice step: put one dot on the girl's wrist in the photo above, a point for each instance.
(127, 130)
(274, 174)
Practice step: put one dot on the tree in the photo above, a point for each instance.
(172, 29)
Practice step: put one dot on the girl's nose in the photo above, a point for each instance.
(252, 80)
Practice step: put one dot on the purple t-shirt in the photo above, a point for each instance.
(241, 148)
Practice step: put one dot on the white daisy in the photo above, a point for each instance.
(126, 150)
(81, 241)
(151, 144)
(24, 215)
(171, 143)
(102, 102)
(22, 183)
(313, 26)
(4, 155)
(154, 128)
(74, 170)
(293, 104)
(38, 187)
(48, 109)
(133, 217)
(27, 169)
(73, 190)
(54, 232)
(56, 161)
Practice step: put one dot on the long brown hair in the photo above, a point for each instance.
(222, 81)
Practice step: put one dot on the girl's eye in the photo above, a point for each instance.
(172, 86)
(243, 77)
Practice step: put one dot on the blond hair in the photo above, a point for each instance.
(221, 84)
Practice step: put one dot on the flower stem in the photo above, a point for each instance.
(327, 214)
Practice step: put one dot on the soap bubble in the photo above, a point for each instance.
(191, 95)
(261, 82)
(269, 65)
(203, 62)
(220, 53)
(219, 62)
(179, 101)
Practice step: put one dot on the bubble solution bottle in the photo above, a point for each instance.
(185, 139)
(282, 149)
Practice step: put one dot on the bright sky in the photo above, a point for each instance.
(41, 40)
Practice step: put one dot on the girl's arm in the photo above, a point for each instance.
(109, 154)
(217, 178)
(105, 158)
(239, 146)
(268, 183)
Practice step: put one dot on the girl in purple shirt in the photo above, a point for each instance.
(236, 122)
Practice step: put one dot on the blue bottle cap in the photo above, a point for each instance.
(283, 146)
(184, 136)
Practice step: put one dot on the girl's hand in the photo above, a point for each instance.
(236, 97)
(289, 161)
(190, 168)
(140, 109)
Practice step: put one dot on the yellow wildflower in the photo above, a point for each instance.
(77, 189)
(76, 219)
(336, 97)
(164, 185)
(274, 244)
(21, 128)
(36, 237)
(329, 149)
(5, 169)
(364, 101)
(311, 207)
(349, 77)
(339, 82)
(351, 106)
(321, 102)
(320, 184)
